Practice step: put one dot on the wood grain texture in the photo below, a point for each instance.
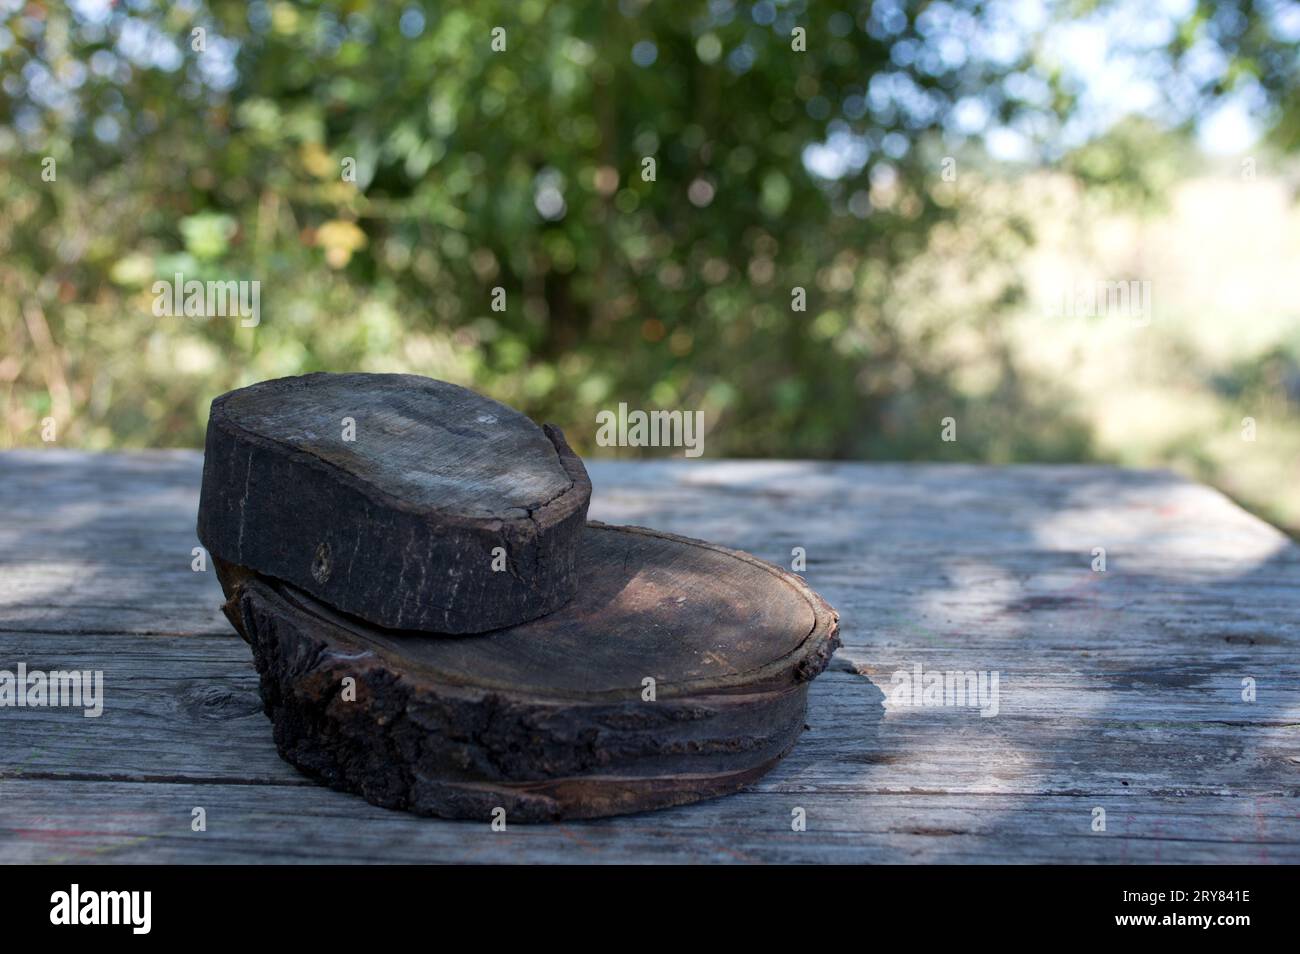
(1119, 690)
(554, 718)
(442, 510)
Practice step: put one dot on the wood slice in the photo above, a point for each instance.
(551, 719)
(401, 525)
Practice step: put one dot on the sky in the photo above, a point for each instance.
(1112, 57)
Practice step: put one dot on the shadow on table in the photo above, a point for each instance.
(1119, 690)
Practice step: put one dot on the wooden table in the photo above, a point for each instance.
(1119, 691)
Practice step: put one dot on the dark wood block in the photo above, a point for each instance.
(448, 513)
(551, 719)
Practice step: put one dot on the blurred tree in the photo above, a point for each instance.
(650, 185)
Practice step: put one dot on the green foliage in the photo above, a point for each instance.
(522, 169)
(478, 168)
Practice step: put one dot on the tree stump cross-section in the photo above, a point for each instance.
(409, 502)
(678, 672)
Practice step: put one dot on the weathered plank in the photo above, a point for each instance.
(409, 502)
(122, 823)
(192, 710)
(96, 543)
(1120, 689)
